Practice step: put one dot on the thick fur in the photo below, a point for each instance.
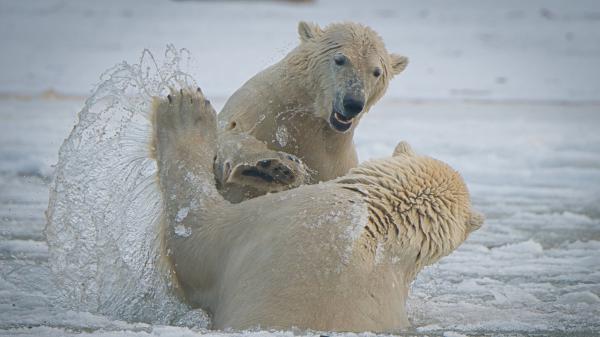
(336, 256)
(289, 105)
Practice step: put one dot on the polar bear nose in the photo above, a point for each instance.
(352, 106)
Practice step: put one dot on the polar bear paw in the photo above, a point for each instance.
(283, 170)
(245, 168)
(267, 172)
(184, 116)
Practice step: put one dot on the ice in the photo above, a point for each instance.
(181, 214)
(379, 251)
(505, 91)
(579, 298)
(360, 217)
(453, 334)
(182, 231)
(281, 135)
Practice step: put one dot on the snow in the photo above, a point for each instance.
(453, 334)
(281, 135)
(182, 214)
(506, 92)
(182, 231)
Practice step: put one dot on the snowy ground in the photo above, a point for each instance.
(506, 92)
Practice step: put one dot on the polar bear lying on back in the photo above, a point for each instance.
(337, 256)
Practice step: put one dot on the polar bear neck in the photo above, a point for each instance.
(418, 202)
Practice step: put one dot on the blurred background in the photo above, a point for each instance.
(471, 49)
(507, 92)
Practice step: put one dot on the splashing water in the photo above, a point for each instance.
(105, 207)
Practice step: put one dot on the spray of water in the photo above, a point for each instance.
(104, 209)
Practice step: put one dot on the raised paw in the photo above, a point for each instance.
(185, 110)
(184, 116)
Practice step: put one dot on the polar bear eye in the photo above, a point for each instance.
(377, 72)
(339, 59)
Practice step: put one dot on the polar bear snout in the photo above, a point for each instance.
(345, 110)
(353, 105)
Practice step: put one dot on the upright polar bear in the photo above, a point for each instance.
(336, 256)
(307, 105)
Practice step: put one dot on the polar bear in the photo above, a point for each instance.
(309, 104)
(336, 256)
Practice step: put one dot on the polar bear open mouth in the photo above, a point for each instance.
(339, 122)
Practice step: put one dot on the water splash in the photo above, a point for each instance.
(105, 207)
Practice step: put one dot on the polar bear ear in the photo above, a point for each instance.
(476, 219)
(403, 148)
(308, 31)
(399, 63)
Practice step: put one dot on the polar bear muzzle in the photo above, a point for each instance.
(345, 110)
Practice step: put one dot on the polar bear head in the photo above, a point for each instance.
(418, 203)
(350, 69)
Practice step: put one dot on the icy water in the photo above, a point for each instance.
(533, 170)
(506, 92)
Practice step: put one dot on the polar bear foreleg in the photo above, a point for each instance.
(185, 137)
